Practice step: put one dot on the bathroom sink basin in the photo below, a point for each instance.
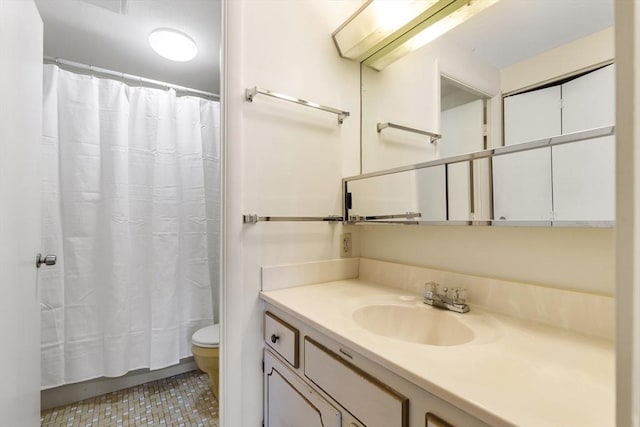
(414, 323)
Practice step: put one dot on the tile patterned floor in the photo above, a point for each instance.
(183, 400)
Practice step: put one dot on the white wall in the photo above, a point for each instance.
(579, 55)
(580, 259)
(281, 159)
(565, 258)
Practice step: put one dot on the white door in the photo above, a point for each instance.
(589, 101)
(431, 194)
(584, 172)
(533, 115)
(462, 130)
(522, 187)
(20, 132)
(522, 181)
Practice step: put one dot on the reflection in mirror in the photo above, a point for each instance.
(577, 192)
(463, 113)
(573, 182)
(421, 191)
(462, 118)
(455, 86)
(408, 93)
(522, 187)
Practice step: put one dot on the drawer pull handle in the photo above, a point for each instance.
(346, 354)
(274, 338)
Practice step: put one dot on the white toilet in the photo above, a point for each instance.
(204, 346)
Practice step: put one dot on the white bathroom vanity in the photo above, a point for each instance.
(354, 353)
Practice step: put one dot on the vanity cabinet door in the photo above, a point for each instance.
(289, 402)
(432, 420)
(372, 402)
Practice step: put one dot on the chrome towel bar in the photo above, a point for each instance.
(250, 93)
(253, 218)
(432, 136)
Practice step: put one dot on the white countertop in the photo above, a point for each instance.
(513, 373)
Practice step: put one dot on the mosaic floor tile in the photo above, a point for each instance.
(181, 401)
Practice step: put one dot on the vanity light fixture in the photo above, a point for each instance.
(382, 31)
(173, 44)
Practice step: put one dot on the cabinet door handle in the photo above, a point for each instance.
(274, 338)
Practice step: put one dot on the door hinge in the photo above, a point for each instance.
(263, 366)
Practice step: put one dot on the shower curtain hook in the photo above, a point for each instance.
(91, 70)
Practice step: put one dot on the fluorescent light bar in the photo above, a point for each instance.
(370, 27)
(382, 31)
(433, 27)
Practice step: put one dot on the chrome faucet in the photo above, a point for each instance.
(457, 302)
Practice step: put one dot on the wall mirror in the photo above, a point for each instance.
(442, 106)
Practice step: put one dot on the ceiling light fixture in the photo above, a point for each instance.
(173, 44)
(382, 31)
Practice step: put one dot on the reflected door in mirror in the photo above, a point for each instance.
(578, 179)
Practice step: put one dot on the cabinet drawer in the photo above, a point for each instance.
(368, 399)
(282, 337)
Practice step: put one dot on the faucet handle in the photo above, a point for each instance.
(430, 289)
(459, 296)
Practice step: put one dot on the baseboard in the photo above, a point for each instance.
(70, 393)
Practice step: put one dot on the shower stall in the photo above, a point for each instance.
(130, 178)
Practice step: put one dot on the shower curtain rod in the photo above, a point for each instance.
(130, 77)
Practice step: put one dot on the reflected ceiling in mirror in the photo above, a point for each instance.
(514, 30)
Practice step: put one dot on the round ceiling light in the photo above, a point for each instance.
(173, 44)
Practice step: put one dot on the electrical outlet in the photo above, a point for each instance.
(345, 245)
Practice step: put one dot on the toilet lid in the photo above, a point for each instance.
(209, 336)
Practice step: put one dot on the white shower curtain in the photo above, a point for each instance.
(130, 192)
